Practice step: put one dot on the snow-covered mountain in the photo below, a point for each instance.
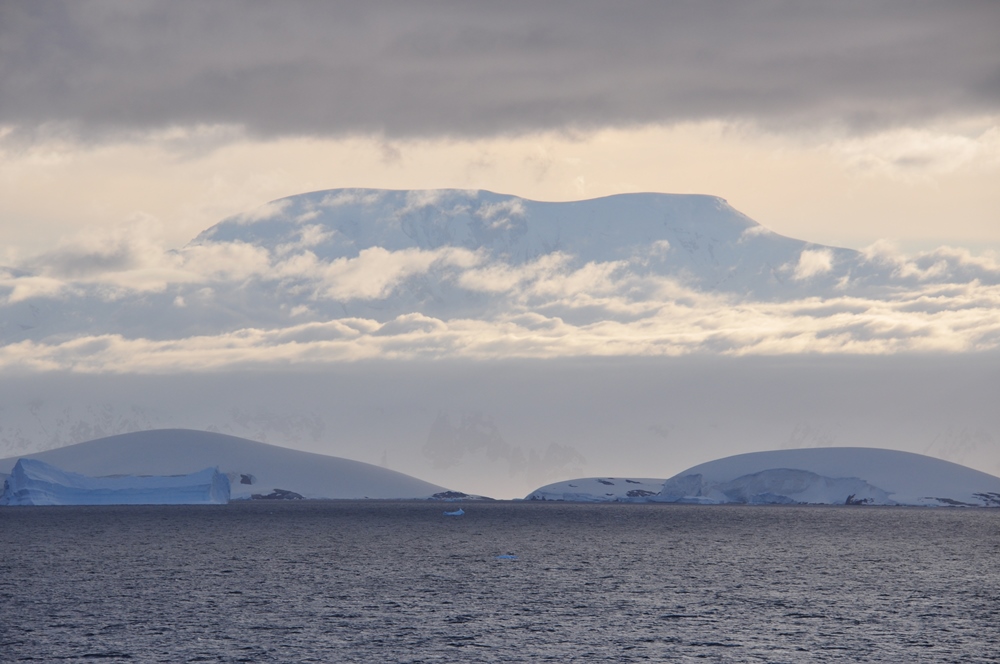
(351, 273)
(818, 476)
(699, 237)
(34, 482)
(252, 467)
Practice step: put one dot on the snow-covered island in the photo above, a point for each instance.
(33, 482)
(253, 469)
(814, 476)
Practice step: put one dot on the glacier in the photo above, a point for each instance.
(774, 486)
(34, 482)
(813, 476)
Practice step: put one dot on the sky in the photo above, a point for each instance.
(842, 123)
(129, 128)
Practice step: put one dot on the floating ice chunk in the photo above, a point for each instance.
(458, 512)
(506, 556)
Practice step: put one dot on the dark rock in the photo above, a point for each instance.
(953, 502)
(278, 494)
(458, 495)
(449, 495)
(990, 499)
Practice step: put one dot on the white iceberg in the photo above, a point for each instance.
(33, 482)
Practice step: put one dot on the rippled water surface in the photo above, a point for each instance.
(399, 582)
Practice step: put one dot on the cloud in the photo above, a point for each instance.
(407, 69)
(915, 155)
(499, 214)
(943, 264)
(261, 212)
(500, 277)
(813, 262)
(27, 288)
(941, 318)
(309, 236)
(121, 302)
(374, 274)
(90, 252)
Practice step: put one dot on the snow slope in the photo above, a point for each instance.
(830, 475)
(599, 490)
(34, 482)
(252, 467)
(823, 476)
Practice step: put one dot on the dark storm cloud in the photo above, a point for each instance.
(481, 68)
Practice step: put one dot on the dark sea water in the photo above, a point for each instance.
(399, 582)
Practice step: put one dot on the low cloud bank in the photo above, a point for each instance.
(126, 304)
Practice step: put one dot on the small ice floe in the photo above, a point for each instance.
(458, 512)
(506, 556)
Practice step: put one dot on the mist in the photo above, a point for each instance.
(503, 428)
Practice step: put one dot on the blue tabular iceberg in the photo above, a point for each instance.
(34, 482)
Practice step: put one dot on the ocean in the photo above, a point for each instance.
(372, 581)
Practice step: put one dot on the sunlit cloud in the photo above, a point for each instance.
(813, 262)
(121, 301)
(939, 317)
(919, 154)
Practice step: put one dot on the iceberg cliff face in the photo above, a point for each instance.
(774, 486)
(33, 482)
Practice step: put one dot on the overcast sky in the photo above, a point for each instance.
(841, 123)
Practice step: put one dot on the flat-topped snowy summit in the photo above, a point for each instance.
(253, 468)
(816, 476)
(699, 236)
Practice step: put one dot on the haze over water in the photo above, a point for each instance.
(384, 581)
